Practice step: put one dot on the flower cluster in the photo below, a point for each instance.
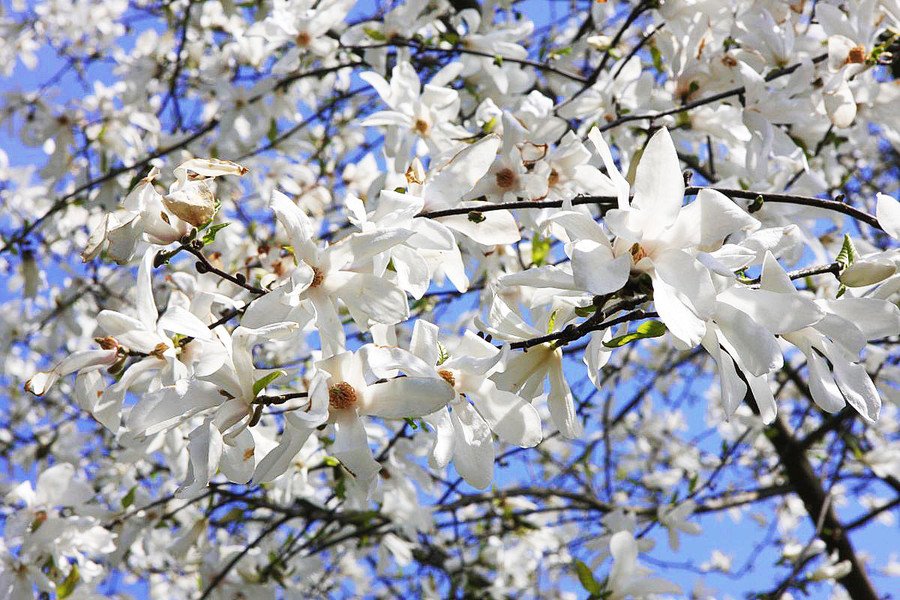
(431, 241)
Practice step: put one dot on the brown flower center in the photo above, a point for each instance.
(505, 178)
(857, 55)
(553, 179)
(637, 253)
(341, 396)
(448, 377)
(421, 126)
(303, 39)
(318, 277)
(107, 343)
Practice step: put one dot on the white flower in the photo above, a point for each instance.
(343, 385)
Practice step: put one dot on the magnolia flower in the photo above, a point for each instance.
(431, 248)
(628, 578)
(146, 214)
(833, 345)
(426, 115)
(515, 173)
(343, 385)
(324, 276)
(463, 428)
(222, 440)
(526, 371)
(304, 25)
(740, 336)
(850, 35)
(675, 520)
(448, 182)
(668, 241)
(146, 334)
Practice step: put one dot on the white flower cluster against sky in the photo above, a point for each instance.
(449, 298)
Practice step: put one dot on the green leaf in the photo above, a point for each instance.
(261, 383)
(585, 311)
(376, 35)
(489, 125)
(540, 250)
(65, 589)
(587, 579)
(656, 57)
(128, 500)
(551, 322)
(443, 355)
(755, 205)
(331, 461)
(498, 60)
(847, 254)
(209, 236)
(647, 329)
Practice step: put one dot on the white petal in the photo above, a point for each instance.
(375, 298)
(424, 342)
(562, 405)
(473, 446)
(548, 276)
(755, 348)
(238, 457)
(822, 386)
(596, 271)
(840, 105)
(511, 418)
(407, 397)
(732, 388)
(887, 211)
(204, 449)
(658, 182)
(678, 317)
(497, 227)
(777, 312)
(351, 447)
(180, 320)
(458, 176)
(874, 317)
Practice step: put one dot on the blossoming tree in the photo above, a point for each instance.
(449, 298)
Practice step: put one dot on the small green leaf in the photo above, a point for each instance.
(232, 516)
(261, 383)
(498, 60)
(475, 216)
(551, 322)
(847, 254)
(331, 461)
(128, 500)
(489, 125)
(376, 35)
(755, 205)
(209, 236)
(540, 250)
(65, 589)
(585, 311)
(443, 355)
(656, 57)
(587, 579)
(411, 422)
(647, 329)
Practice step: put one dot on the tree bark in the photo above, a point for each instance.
(808, 486)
